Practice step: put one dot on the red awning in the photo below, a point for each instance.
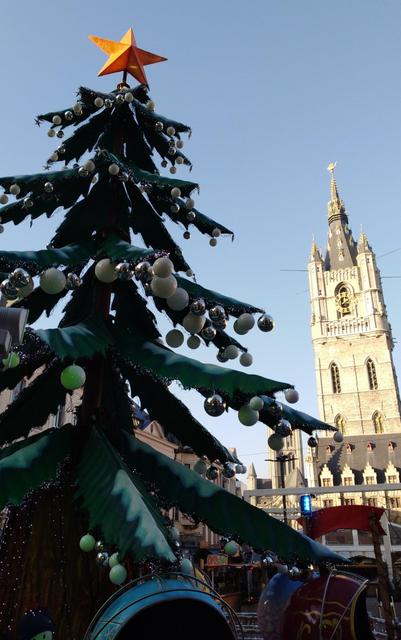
(330, 519)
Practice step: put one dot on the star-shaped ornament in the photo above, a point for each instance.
(126, 56)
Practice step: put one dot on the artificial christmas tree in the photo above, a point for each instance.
(92, 480)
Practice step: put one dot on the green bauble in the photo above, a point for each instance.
(118, 574)
(186, 567)
(87, 543)
(11, 361)
(73, 377)
(275, 442)
(247, 416)
(231, 548)
(113, 560)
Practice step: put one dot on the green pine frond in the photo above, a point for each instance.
(81, 340)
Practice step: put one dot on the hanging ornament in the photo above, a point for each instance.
(142, 273)
(256, 403)
(193, 342)
(87, 543)
(73, 377)
(120, 98)
(338, 437)
(220, 323)
(266, 323)
(214, 405)
(231, 352)
(294, 573)
(124, 271)
(191, 215)
(56, 120)
(291, 395)
(51, 133)
(186, 235)
(246, 359)
(11, 361)
(173, 169)
(52, 281)
(231, 548)
(189, 203)
(245, 322)
(179, 300)
(180, 144)
(170, 131)
(228, 470)
(247, 416)
(8, 290)
(216, 233)
(48, 187)
(208, 333)
(216, 312)
(15, 189)
(174, 208)
(275, 409)
(175, 192)
(212, 473)
(98, 102)
(159, 126)
(60, 134)
(213, 242)
(102, 558)
(113, 560)
(221, 357)
(26, 291)
(19, 278)
(3, 198)
(198, 307)
(164, 163)
(174, 338)
(77, 109)
(27, 203)
(114, 169)
(200, 467)
(73, 281)
(83, 172)
(128, 97)
(150, 105)
(53, 157)
(68, 115)
(163, 267)
(89, 166)
(283, 428)
(105, 271)
(179, 160)
(118, 574)
(275, 442)
(193, 323)
(163, 287)
(312, 442)
(99, 546)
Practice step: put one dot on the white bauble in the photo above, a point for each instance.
(51, 133)
(105, 271)
(114, 169)
(175, 192)
(247, 416)
(190, 203)
(193, 323)
(338, 436)
(256, 403)
(163, 267)
(52, 281)
(128, 97)
(173, 169)
(180, 144)
(213, 242)
(170, 131)
(150, 105)
(98, 102)
(53, 157)
(189, 273)
(179, 160)
(56, 119)
(245, 322)
(216, 233)
(291, 395)
(15, 189)
(275, 442)
(231, 352)
(89, 166)
(174, 338)
(193, 342)
(179, 300)
(246, 359)
(163, 287)
(3, 198)
(77, 109)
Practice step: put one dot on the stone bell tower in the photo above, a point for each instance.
(356, 381)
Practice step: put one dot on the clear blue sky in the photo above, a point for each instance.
(274, 90)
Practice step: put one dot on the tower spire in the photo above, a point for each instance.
(341, 249)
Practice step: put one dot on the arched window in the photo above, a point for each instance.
(335, 378)
(378, 422)
(372, 377)
(345, 300)
(341, 423)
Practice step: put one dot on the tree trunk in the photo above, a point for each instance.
(41, 565)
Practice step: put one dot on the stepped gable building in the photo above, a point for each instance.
(356, 381)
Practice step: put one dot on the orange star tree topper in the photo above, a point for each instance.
(126, 56)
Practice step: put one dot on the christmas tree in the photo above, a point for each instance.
(67, 487)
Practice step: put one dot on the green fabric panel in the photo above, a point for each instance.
(163, 363)
(39, 302)
(233, 307)
(80, 306)
(34, 404)
(175, 417)
(132, 311)
(81, 340)
(69, 255)
(222, 511)
(119, 504)
(298, 419)
(147, 222)
(24, 466)
(149, 118)
(85, 137)
(31, 182)
(114, 248)
(203, 223)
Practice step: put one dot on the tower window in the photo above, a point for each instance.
(372, 376)
(335, 378)
(378, 422)
(345, 301)
(341, 423)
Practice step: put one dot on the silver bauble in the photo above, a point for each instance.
(120, 98)
(142, 271)
(15, 189)
(338, 437)
(246, 359)
(69, 115)
(124, 271)
(275, 442)
(73, 281)
(221, 357)
(174, 208)
(191, 215)
(266, 323)
(239, 468)
(186, 235)
(198, 307)
(283, 428)
(214, 405)
(27, 203)
(108, 103)
(179, 160)
(294, 573)
(48, 187)
(19, 278)
(172, 151)
(216, 233)
(231, 352)
(228, 470)
(216, 313)
(102, 558)
(291, 395)
(89, 166)
(213, 242)
(312, 442)
(83, 172)
(8, 290)
(164, 163)
(99, 546)
(220, 323)
(77, 109)
(3, 198)
(212, 473)
(60, 134)
(159, 126)
(275, 409)
(208, 333)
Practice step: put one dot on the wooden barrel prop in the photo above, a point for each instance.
(162, 607)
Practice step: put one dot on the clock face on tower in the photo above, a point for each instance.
(345, 300)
